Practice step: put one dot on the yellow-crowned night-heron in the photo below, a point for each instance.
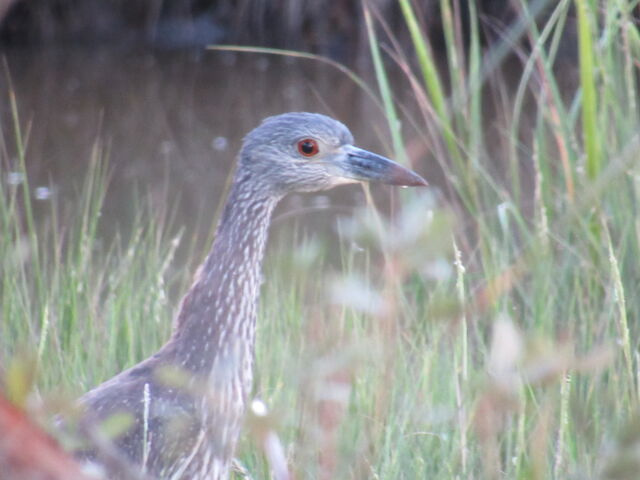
(188, 428)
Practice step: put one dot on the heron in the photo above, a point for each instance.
(188, 429)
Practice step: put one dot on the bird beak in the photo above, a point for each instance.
(363, 165)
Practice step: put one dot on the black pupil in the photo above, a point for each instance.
(307, 147)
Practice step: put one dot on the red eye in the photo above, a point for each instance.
(308, 147)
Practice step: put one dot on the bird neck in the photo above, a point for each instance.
(216, 322)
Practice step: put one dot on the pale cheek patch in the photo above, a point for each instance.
(335, 181)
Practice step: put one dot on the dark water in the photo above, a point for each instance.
(172, 123)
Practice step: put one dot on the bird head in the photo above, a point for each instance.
(308, 152)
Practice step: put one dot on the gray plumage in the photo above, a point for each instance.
(187, 401)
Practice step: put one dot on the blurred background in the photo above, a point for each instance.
(138, 75)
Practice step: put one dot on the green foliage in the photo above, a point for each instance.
(85, 307)
(552, 255)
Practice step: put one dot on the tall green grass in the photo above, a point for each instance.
(83, 305)
(545, 276)
(491, 335)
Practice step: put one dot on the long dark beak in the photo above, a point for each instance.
(363, 165)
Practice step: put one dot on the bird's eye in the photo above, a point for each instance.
(308, 147)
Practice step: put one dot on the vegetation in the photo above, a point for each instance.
(491, 334)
